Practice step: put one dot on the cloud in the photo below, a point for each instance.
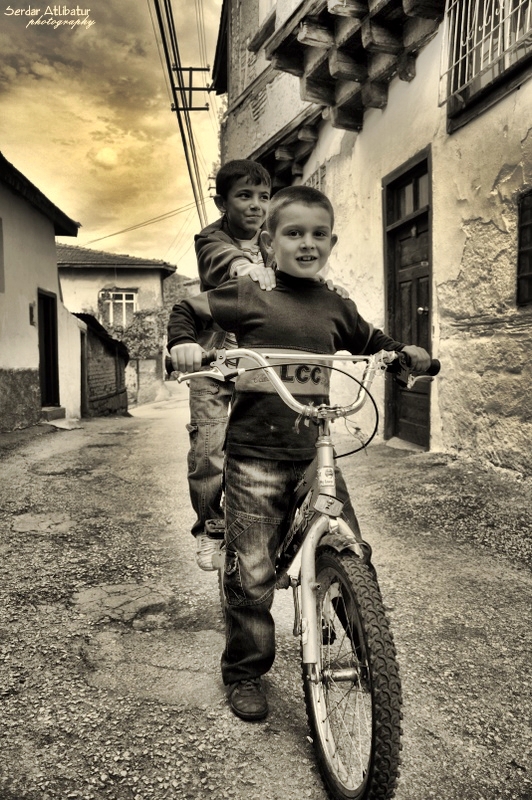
(85, 115)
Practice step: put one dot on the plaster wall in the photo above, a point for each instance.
(250, 123)
(481, 405)
(29, 266)
(69, 342)
(283, 9)
(81, 287)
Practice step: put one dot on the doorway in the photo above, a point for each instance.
(48, 349)
(408, 247)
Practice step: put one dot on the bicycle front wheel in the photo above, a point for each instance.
(353, 697)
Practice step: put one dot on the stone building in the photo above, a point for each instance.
(414, 116)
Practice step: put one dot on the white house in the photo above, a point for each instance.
(40, 341)
(127, 295)
(415, 117)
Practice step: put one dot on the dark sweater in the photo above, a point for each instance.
(298, 314)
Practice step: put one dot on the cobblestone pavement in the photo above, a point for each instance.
(110, 636)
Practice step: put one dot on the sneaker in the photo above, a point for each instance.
(206, 549)
(248, 700)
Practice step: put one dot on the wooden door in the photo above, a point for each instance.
(408, 242)
(48, 349)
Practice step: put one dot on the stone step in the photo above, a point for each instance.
(52, 412)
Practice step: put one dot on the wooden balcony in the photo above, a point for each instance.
(346, 52)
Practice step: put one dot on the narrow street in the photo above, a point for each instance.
(110, 636)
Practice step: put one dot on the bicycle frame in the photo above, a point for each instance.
(327, 527)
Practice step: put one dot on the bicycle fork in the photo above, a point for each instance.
(327, 526)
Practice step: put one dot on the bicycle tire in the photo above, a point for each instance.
(355, 715)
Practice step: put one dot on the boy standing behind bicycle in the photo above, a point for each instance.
(266, 452)
(225, 249)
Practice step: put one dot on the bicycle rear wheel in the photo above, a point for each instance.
(353, 699)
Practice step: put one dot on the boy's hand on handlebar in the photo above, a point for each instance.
(187, 357)
(418, 358)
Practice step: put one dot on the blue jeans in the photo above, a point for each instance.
(209, 404)
(257, 498)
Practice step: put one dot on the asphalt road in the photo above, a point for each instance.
(110, 636)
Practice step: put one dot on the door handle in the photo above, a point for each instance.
(422, 310)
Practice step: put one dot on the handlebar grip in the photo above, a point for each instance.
(434, 368)
(207, 357)
(403, 361)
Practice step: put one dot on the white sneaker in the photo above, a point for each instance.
(206, 549)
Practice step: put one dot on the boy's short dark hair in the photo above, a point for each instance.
(231, 172)
(296, 194)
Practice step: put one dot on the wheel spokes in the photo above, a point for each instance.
(346, 714)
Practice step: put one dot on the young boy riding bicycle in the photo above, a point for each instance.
(266, 453)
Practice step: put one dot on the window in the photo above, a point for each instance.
(409, 196)
(119, 307)
(524, 263)
(484, 41)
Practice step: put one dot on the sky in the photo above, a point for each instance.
(85, 115)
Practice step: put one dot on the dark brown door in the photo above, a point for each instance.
(48, 352)
(409, 281)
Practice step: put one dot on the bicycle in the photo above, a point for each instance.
(351, 678)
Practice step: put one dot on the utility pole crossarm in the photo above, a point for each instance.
(187, 90)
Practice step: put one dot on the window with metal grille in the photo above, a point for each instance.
(484, 40)
(119, 307)
(524, 263)
(317, 178)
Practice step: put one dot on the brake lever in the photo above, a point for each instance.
(206, 373)
(403, 374)
(413, 379)
(220, 370)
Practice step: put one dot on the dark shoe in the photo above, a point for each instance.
(248, 700)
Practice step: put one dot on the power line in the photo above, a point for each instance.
(174, 70)
(151, 221)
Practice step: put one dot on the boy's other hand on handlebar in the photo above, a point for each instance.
(418, 358)
(187, 357)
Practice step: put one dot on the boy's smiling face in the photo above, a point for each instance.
(303, 239)
(245, 206)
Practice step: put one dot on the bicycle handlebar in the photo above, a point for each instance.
(222, 370)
